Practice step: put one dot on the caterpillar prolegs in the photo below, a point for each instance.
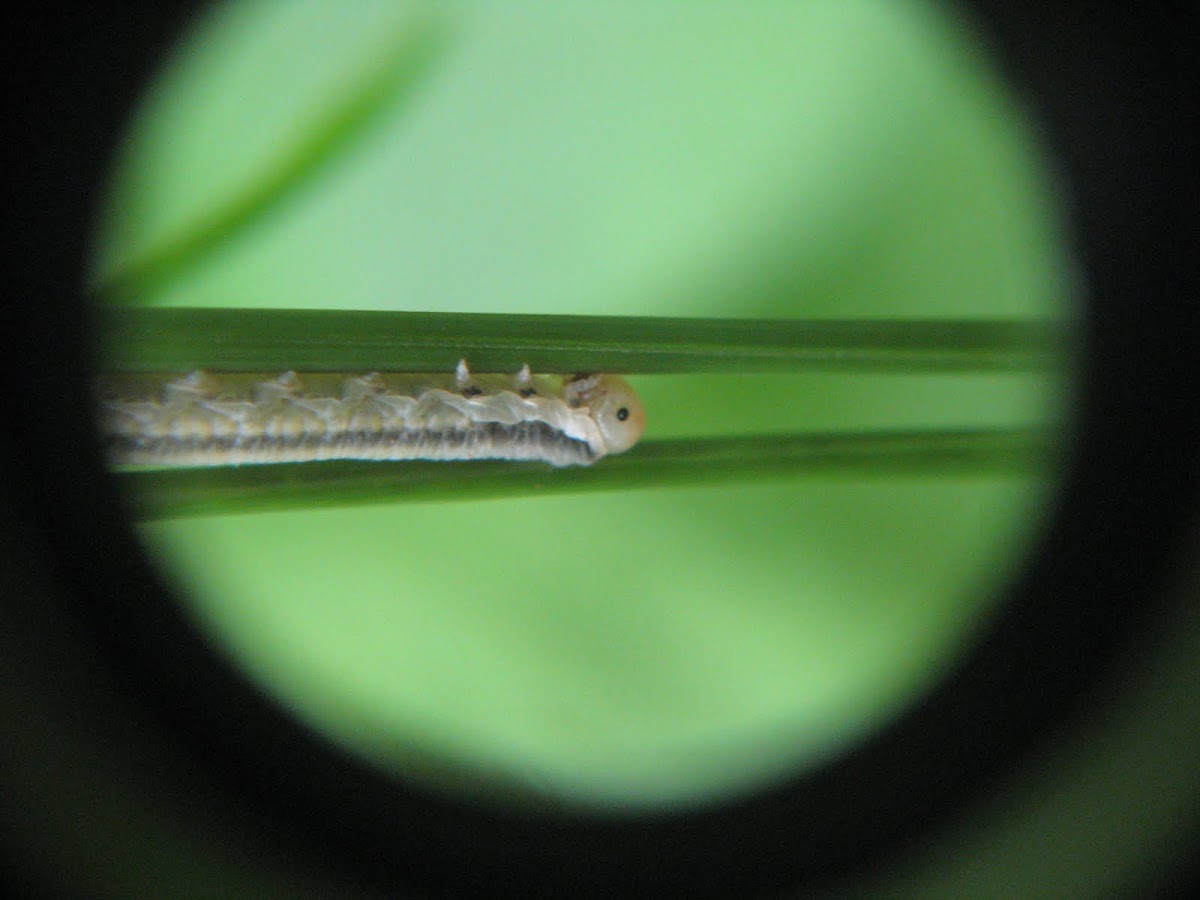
(203, 419)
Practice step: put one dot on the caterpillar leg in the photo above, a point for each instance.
(196, 385)
(462, 375)
(286, 386)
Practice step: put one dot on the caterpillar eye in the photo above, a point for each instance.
(622, 413)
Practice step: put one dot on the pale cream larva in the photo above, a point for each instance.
(234, 419)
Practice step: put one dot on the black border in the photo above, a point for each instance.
(1107, 88)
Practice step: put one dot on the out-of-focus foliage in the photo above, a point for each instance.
(821, 159)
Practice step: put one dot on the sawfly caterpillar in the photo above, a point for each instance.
(202, 419)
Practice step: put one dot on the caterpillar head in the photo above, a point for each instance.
(614, 407)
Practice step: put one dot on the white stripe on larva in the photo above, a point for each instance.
(210, 420)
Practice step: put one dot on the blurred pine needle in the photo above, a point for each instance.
(178, 340)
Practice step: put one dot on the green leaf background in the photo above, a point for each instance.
(849, 160)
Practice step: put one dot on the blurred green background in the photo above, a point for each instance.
(845, 159)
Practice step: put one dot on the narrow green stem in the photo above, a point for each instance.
(272, 340)
(407, 57)
(167, 493)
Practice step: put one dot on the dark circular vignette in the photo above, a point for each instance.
(1103, 87)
